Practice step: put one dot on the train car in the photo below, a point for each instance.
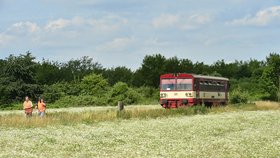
(185, 89)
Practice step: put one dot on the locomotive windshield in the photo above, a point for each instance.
(168, 84)
(184, 84)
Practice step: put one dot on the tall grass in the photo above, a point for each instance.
(88, 117)
(110, 114)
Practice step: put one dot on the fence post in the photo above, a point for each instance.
(120, 106)
(278, 93)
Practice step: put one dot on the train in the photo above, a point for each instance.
(184, 89)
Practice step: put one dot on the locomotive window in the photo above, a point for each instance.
(168, 84)
(184, 84)
(215, 86)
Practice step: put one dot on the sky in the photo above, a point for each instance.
(121, 32)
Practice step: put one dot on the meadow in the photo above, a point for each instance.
(144, 131)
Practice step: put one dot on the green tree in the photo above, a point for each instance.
(48, 73)
(239, 96)
(82, 67)
(172, 65)
(121, 92)
(186, 66)
(118, 74)
(201, 68)
(94, 85)
(148, 74)
(17, 78)
(270, 76)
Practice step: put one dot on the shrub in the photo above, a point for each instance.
(238, 96)
(79, 101)
(150, 93)
(54, 92)
(121, 92)
(94, 85)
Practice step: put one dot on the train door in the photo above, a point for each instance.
(197, 90)
(226, 90)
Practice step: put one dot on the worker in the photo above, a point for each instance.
(27, 106)
(41, 107)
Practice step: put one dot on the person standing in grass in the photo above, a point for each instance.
(27, 106)
(41, 107)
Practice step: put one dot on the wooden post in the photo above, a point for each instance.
(120, 106)
(278, 93)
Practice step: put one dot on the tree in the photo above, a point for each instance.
(121, 92)
(148, 74)
(49, 73)
(201, 68)
(228, 70)
(17, 78)
(238, 96)
(172, 65)
(94, 85)
(118, 74)
(270, 76)
(186, 66)
(82, 67)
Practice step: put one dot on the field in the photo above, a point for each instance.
(221, 132)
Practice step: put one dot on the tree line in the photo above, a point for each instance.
(87, 80)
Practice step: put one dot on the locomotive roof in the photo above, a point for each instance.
(210, 77)
(194, 76)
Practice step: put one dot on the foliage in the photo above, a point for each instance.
(271, 75)
(79, 101)
(48, 73)
(55, 91)
(118, 74)
(149, 95)
(17, 79)
(121, 92)
(238, 96)
(94, 85)
(23, 75)
(152, 67)
(83, 67)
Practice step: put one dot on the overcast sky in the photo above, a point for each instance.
(122, 32)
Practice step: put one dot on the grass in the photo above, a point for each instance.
(250, 130)
(90, 115)
(228, 134)
(72, 117)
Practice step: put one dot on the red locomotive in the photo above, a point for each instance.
(189, 89)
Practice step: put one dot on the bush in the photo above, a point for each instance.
(54, 92)
(79, 101)
(94, 85)
(121, 92)
(149, 92)
(238, 96)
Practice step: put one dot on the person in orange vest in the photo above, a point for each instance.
(27, 106)
(41, 107)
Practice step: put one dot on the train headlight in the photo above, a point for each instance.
(163, 95)
(188, 94)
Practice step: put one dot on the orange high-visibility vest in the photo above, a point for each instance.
(41, 106)
(27, 104)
